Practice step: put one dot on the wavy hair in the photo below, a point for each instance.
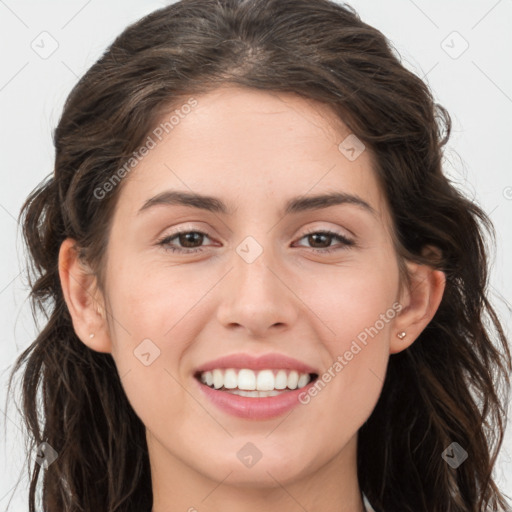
(444, 388)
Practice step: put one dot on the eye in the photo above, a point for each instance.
(321, 236)
(188, 238)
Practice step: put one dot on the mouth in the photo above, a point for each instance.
(255, 383)
(255, 387)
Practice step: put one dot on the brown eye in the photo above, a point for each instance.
(190, 241)
(324, 239)
(190, 238)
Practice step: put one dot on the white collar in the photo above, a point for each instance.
(367, 504)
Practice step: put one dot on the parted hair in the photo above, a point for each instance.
(450, 385)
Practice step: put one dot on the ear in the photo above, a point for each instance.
(83, 298)
(419, 301)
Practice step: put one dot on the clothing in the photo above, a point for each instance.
(367, 504)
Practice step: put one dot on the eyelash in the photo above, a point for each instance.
(164, 242)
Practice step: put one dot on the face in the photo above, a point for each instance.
(314, 287)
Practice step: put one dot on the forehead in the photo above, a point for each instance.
(250, 147)
(247, 119)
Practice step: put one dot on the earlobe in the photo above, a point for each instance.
(83, 299)
(421, 300)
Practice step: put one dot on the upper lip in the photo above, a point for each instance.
(262, 362)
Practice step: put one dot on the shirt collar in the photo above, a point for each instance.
(367, 504)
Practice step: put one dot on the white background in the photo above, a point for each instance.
(475, 87)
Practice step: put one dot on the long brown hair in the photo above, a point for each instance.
(444, 388)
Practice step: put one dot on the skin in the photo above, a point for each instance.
(254, 150)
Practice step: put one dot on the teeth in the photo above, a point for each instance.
(245, 382)
(293, 379)
(208, 378)
(281, 380)
(218, 379)
(260, 394)
(303, 380)
(265, 380)
(230, 380)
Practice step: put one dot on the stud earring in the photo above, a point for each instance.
(91, 335)
(401, 335)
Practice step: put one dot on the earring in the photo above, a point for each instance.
(401, 335)
(91, 335)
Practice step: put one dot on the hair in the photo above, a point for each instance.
(443, 388)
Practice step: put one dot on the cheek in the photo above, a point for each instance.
(154, 322)
(362, 312)
(153, 303)
(149, 338)
(356, 304)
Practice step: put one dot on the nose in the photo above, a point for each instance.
(257, 297)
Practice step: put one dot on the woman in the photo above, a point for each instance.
(263, 293)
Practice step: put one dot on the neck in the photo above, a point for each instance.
(179, 487)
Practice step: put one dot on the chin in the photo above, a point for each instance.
(268, 471)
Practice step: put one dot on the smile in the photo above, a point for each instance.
(250, 383)
(254, 386)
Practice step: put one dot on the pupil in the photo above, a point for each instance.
(317, 235)
(186, 237)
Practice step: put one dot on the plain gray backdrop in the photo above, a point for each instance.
(462, 49)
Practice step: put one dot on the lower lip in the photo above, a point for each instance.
(257, 408)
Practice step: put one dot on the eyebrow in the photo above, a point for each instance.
(294, 205)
